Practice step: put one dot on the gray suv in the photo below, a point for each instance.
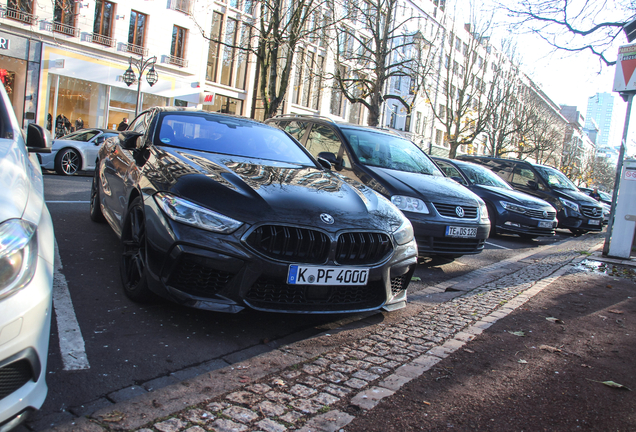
(448, 219)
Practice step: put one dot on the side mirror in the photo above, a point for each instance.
(100, 140)
(331, 158)
(37, 141)
(325, 163)
(533, 184)
(128, 140)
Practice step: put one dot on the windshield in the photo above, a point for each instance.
(555, 178)
(388, 151)
(231, 136)
(482, 176)
(83, 135)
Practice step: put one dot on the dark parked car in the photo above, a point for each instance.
(447, 218)
(509, 211)
(605, 201)
(575, 211)
(219, 212)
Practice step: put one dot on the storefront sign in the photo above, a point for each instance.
(4, 43)
(208, 99)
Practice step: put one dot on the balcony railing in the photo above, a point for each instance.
(137, 49)
(18, 15)
(102, 40)
(65, 29)
(181, 6)
(177, 61)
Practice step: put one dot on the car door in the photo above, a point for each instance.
(324, 139)
(117, 167)
(92, 149)
(525, 179)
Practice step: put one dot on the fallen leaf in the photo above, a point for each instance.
(555, 320)
(278, 382)
(522, 361)
(517, 333)
(611, 384)
(614, 311)
(549, 348)
(244, 377)
(113, 417)
(416, 279)
(586, 366)
(609, 286)
(244, 380)
(426, 403)
(602, 317)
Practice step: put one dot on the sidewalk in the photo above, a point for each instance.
(323, 383)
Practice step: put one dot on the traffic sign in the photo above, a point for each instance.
(624, 76)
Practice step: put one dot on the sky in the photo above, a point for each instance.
(568, 79)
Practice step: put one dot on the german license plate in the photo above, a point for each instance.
(594, 222)
(321, 275)
(545, 224)
(454, 231)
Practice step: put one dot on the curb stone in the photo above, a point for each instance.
(383, 357)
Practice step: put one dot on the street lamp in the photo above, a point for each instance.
(151, 76)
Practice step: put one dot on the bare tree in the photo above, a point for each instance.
(273, 37)
(375, 44)
(574, 26)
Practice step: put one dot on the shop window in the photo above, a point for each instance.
(177, 50)
(225, 104)
(21, 10)
(227, 65)
(103, 23)
(81, 102)
(64, 17)
(137, 33)
(215, 46)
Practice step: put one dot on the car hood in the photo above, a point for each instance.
(425, 187)
(513, 196)
(256, 190)
(577, 196)
(14, 180)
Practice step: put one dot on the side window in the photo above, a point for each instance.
(522, 175)
(450, 171)
(295, 128)
(324, 139)
(503, 170)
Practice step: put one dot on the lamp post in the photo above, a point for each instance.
(151, 76)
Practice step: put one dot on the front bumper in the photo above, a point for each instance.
(217, 272)
(517, 223)
(25, 326)
(575, 220)
(432, 239)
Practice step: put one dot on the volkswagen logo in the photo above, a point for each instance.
(545, 214)
(327, 218)
(459, 211)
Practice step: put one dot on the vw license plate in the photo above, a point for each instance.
(321, 275)
(454, 231)
(594, 222)
(545, 224)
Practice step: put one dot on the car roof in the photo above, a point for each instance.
(335, 122)
(194, 111)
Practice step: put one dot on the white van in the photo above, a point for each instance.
(26, 269)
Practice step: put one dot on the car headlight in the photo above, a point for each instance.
(404, 233)
(569, 204)
(186, 212)
(513, 207)
(18, 255)
(483, 212)
(410, 204)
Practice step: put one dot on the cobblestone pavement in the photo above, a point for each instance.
(311, 395)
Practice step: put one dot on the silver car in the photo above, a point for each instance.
(76, 151)
(26, 270)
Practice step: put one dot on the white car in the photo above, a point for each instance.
(76, 151)
(26, 270)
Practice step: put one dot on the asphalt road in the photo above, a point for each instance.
(126, 344)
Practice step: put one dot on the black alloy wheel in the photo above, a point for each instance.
(133, 259)
(68, 162)
(95, 209)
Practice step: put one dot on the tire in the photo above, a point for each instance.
(68, 162)
(577, 232)
(95, 209)
(133, 264)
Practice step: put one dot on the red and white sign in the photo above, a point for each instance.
(624, 76)
(630, 174)
(208, 98)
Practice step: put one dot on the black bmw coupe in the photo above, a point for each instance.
(219, 212)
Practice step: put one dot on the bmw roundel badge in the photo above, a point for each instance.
(327, 218)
